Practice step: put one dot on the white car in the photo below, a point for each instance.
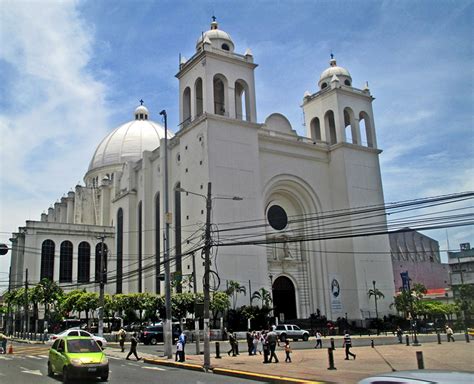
(78, 332)
(421, 376)
(290, 331)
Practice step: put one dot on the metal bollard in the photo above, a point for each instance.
(466, 335)
(332, 343)
(407, 339)
(372, 343)
(419, 360)
(218, 350)
(331, 359)
(439, 337)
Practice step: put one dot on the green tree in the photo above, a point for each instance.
(233, 290)
(50, 294)
(377, 294)
(409, 302)
(465, 302)
(219, 303)
(264, 296)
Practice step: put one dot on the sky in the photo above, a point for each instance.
(72, 71)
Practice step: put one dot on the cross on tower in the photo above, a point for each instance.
(332, 56)
(141, 101)
(213, 18)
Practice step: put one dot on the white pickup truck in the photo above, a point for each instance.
(289, 331)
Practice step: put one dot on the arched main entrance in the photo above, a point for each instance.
(284, 299)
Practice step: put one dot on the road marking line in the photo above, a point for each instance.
(114, 358)
(155, 368)
(34, 357)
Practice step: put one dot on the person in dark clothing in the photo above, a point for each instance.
(272, 339)
(231, 338)
(287, 351)
(348, 345)
(250, 342)
(133, 347)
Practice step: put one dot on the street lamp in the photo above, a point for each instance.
(207, 267)
(375, 296)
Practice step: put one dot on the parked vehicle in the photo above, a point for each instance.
(420, 377)
(154, 334)
(290, 331)
(77, 332)
(77, 357)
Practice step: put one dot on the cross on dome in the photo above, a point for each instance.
(141, 101)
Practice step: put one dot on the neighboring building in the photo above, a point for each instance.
(284, 180)
(419, 255)
(461, 266)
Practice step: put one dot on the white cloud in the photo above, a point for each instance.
(54, 112)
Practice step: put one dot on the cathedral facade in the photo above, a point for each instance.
(279, 200)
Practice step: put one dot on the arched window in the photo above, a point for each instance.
(47, 260)
(119, 250)
(198, 93)
(315, 129)
(83, 262)
(350, 126)
(365, 126)
(330, 127)
(157, 244)
(98, 253)
(186, 105)
(220, 87)
(140, 256)
(242, 101)
(177, 209)
(65, 262)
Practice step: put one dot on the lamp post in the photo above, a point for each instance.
(207, 268)
(168, 321)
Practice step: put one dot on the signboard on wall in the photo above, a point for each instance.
(335, 294)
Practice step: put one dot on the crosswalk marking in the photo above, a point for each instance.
(33, 357)
(155, 368)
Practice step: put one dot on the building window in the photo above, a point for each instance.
(65, 262)
(225, 47)
(98, 253)
(47, 260)
(277, 217)
(119, 250)
(83, 262)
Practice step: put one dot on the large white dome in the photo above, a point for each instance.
(128, 141)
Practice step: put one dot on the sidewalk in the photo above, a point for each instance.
(312, 364)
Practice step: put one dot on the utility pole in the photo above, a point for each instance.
(167, 329)
(375, 296)
(9, 319)
(196, 319)
(102, 286)
(207, 269)
(26, 302)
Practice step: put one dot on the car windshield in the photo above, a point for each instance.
(82, 346)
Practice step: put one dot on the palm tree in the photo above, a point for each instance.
(233, 289)
(263, 295)
(377, 294)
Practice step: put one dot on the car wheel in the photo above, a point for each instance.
(283, 337)
(153, 341)
(66, 378)
(100, 344)
(105, 377)
(295, 339)
(50, 370)
(305, 337)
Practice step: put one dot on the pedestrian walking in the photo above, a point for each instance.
(449, 334)
(266, 348)
(272, 339)
(400, 335)
(179, 352)
(231, 338)
(287, 351)
(319, 341)
(254, 342)
(3, 341)
(260, 340)
(121, 336)
(182, 341)
(249, 342)
(348, 345)
(133, 347)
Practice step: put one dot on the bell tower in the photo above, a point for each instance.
(216, 80)
(338, 112)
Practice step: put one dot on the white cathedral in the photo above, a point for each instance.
(289, 185)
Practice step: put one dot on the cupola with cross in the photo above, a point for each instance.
(216, 80)
(339, 112)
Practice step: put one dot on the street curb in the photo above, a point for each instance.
(192, 367)
(233, 372)
(263, 377)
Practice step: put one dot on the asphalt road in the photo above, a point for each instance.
(28, 364)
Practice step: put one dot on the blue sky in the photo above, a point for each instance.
(71, 71)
